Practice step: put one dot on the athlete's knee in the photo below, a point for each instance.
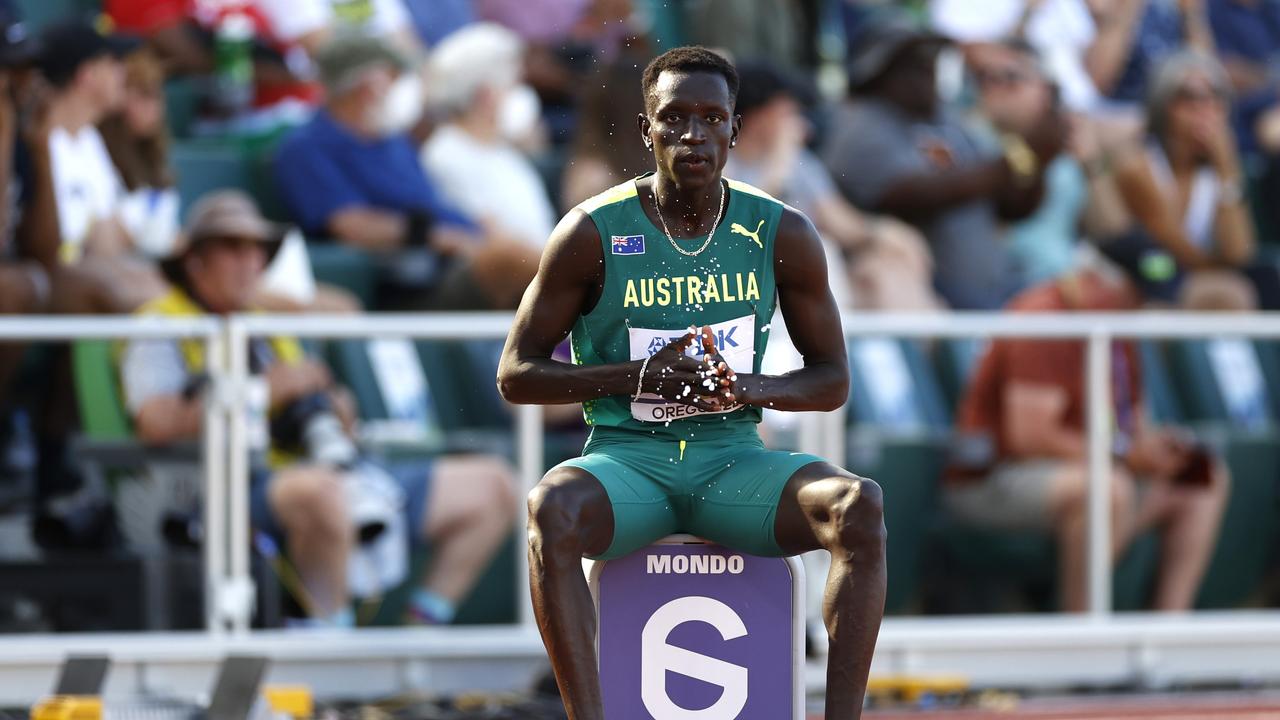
(556, 509)
(857, 513)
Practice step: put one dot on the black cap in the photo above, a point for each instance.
(761, 81)
(72, 43)
(17, 45)
(880, 41)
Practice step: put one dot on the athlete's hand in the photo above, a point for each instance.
(715, 363)
(673, 375)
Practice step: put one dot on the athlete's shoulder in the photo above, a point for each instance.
(749, 189)
(614, 195)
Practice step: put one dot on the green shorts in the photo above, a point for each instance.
(723, 490)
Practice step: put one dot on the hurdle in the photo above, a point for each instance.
(691, 630)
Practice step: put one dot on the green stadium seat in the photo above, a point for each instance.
(898, 437)
(350, 269)
(1228, 393)
(102, 413)
(205, 166)
(182, 104)
(39, 14)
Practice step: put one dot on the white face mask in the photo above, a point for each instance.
(401, 107)
(519, 112)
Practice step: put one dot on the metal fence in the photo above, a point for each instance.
(1098, 646)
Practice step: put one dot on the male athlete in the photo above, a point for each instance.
(674, 448)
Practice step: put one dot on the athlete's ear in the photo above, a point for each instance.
(737, 128)
(642, 121)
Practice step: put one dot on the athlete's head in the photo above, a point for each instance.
(689, 119)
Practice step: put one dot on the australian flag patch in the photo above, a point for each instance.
(628, 244)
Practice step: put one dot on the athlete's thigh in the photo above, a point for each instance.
(642, 510)
(737, 506)
(807, 500)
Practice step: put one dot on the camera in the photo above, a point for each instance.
(309, 426)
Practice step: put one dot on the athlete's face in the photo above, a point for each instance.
(689, 124)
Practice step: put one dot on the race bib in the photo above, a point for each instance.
(735, 339)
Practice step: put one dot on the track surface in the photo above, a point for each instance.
(1128, 709)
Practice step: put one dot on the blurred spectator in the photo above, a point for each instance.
(893, 150)
(563, 41)
(88, 80)
(138, 143)
(352, 173)
(1015, 92)
(607, 149)
(1185, 192)
(474, 81)
(1135, 37)
(1063, 31)
(873, 263)
(1028, 399)
(763, 29)
(317, 496)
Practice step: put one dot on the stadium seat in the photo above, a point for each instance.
(898, 437)
(344, 267)
(1224, 384)
(39, 14)
(203, 166)
(181, 104)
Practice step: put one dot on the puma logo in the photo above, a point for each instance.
(738, 229)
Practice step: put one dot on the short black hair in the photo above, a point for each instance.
(688, 59)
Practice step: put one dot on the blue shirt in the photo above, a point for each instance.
(1251, 34)
(322, 168)
(1159, 35)
(435, 19)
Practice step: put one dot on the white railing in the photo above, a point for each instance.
(1098, 330)
(212, 446)
(1128, 643)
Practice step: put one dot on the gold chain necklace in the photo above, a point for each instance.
(657, 206)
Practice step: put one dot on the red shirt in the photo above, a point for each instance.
(1058, 363)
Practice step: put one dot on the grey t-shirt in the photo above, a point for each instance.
(871, 146)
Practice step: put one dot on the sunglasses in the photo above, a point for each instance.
(1197, 95)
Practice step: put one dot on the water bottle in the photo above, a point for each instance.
(233, 63)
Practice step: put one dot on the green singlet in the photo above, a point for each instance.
(669, 467)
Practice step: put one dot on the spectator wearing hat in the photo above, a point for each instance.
(1026, 405)
(313, 493)
(876, 263)
(893, 150)
(474, 82)
(353, 173)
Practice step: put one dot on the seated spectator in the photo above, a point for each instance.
(474, 83)
(138, 143)
(1015, 93)
(874, 263)
(605, 151)
(86, 74)
(1185, 193)
(1028, 398)
(317, 494)
(352, 173)
(893, 150)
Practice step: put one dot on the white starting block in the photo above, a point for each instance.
(690, 630)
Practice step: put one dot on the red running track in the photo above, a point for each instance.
(1162, 709)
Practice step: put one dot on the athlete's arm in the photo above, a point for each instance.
(813, 321)
(568, 284)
